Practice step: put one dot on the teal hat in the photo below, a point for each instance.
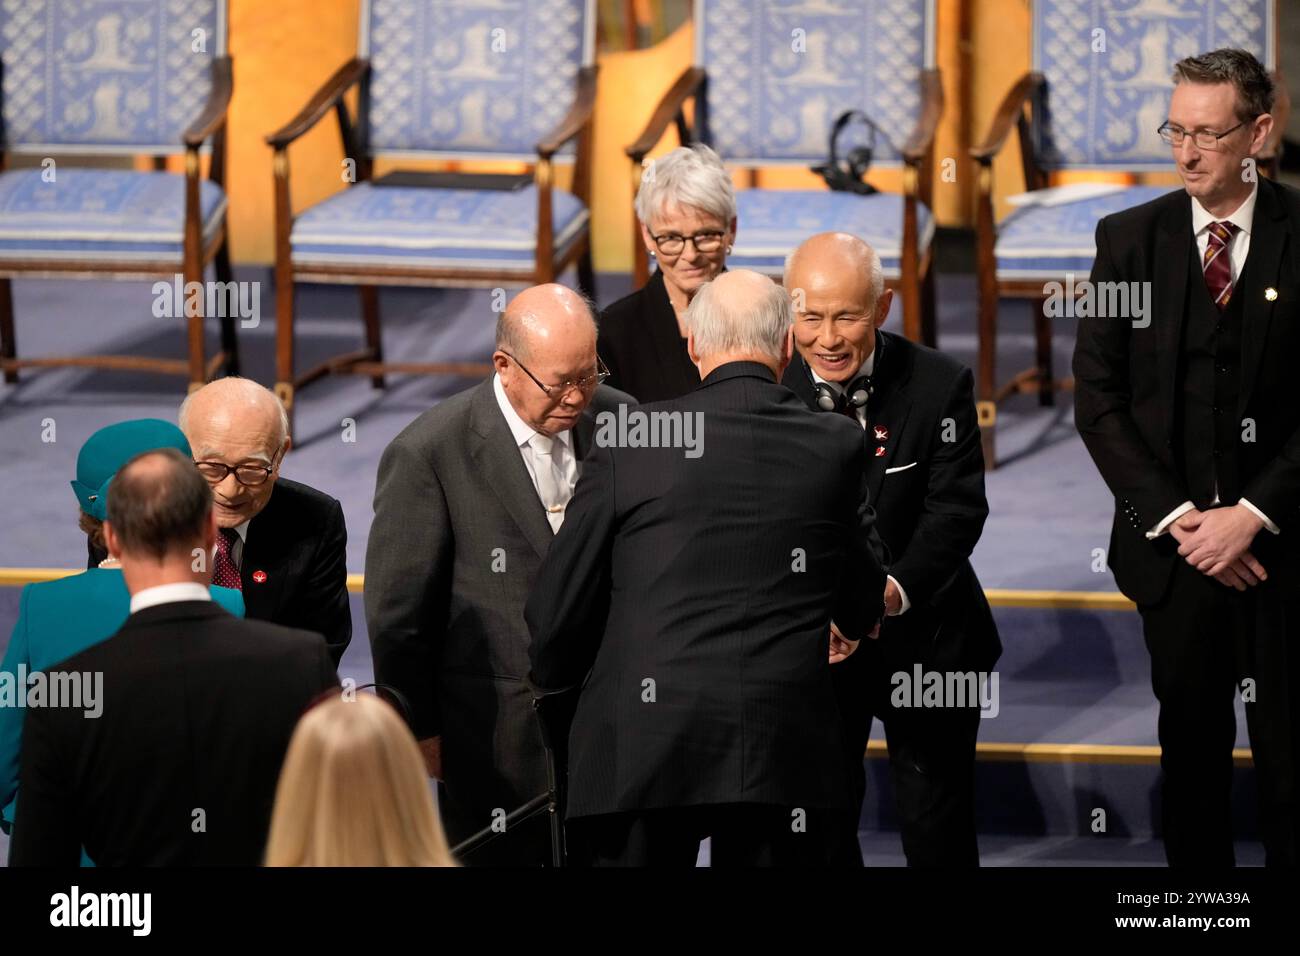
(112, 447)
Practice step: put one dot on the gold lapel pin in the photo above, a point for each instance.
(1270, 293)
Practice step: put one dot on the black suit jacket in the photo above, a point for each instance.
(927, 489)
(643, 348)
(715, 580)
(1127, 388)
(457, 538)
(197, 710)
(294, 566)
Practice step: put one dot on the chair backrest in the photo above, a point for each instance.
(1109, 69)
(106, 76)
(781, 71)
(486, 79)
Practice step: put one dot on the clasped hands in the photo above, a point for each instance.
(1217, 543)
(842, 647)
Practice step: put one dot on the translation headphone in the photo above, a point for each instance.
(855, 395)
(849, 175)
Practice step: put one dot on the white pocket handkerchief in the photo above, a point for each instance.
(890, 471)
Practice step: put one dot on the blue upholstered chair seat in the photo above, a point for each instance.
(428, 228)
(773, 221)
(100, 215)
(1046, 242)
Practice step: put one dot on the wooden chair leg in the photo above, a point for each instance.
(195, 324)
(1043, 354)
(929, 310)
(986, 373)
(374, 336)
(587, 274)
(284, 339)
(8, 346)
(229, 338)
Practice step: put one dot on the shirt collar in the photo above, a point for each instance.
(520, 429)
(1243, 218)
(169, 594)
(868, 368)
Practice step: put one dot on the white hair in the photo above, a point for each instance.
(720, 328)
(877, 272)
(249, 392)
(691, 177)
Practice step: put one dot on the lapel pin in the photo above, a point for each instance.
(880, 451)
(1270, 293)
(259, 577)
(882, 432)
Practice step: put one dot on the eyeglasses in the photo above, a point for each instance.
(585, 384)
(1203, 138)
(250, 476)
(671, 244)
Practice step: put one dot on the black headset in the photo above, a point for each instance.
(855, 395)
(850, 174)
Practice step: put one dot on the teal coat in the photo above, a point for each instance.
(57, 619)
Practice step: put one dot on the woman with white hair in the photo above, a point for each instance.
(687, 210)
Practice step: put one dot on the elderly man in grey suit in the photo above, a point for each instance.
(469, 497)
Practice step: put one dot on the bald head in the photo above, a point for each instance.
(839, 298)
(546, 335)
(234, 421)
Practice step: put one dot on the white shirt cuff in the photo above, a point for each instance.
(902, 594)
(1170, 518)
(1259, 514)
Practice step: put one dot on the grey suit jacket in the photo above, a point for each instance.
(458, 536)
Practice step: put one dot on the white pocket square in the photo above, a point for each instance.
(890, 471)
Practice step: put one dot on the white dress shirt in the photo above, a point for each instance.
(1243, 219)
(169, 594)
(566, 461)
(237, 546)
(868, 367)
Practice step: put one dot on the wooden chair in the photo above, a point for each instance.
(1084, 109)
(444, 82)
(768, 82)
(133, 77)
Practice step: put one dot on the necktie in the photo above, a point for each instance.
(224, 572)
(851, 412)
(552, 487)
(1218, 262)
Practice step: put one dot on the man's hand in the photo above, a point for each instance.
(841, 646)
(893, 600)
(431, 748)
(1220, 540)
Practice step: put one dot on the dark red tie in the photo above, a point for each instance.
(224, 572)
(1218, 262)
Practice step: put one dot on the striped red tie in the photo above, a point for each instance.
(1218, 262)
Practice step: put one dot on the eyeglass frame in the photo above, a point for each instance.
(722, 235)
(601, 375)
(1166, 125)
(234, 470)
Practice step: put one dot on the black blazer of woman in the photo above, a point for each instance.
(643, 348)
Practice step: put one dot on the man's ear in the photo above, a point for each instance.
(210, 531)
(882, 307)
(500, 361)
(111, 541)
(1263, 129)
(787, 353)
(690, 349)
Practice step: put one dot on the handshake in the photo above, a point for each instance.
(841, 647)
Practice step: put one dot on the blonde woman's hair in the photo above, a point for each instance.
(354, 792)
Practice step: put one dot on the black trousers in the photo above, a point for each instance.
(931, 761)
(1205, 640)
(743, 835)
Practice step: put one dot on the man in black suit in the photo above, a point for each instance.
(281, 543)
(1189, 409)
(925, 472)
(690, 594)
(177, 761)
(469, 496)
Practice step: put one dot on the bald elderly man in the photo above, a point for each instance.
(468, 499)
(925, 474)
(281, 543)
